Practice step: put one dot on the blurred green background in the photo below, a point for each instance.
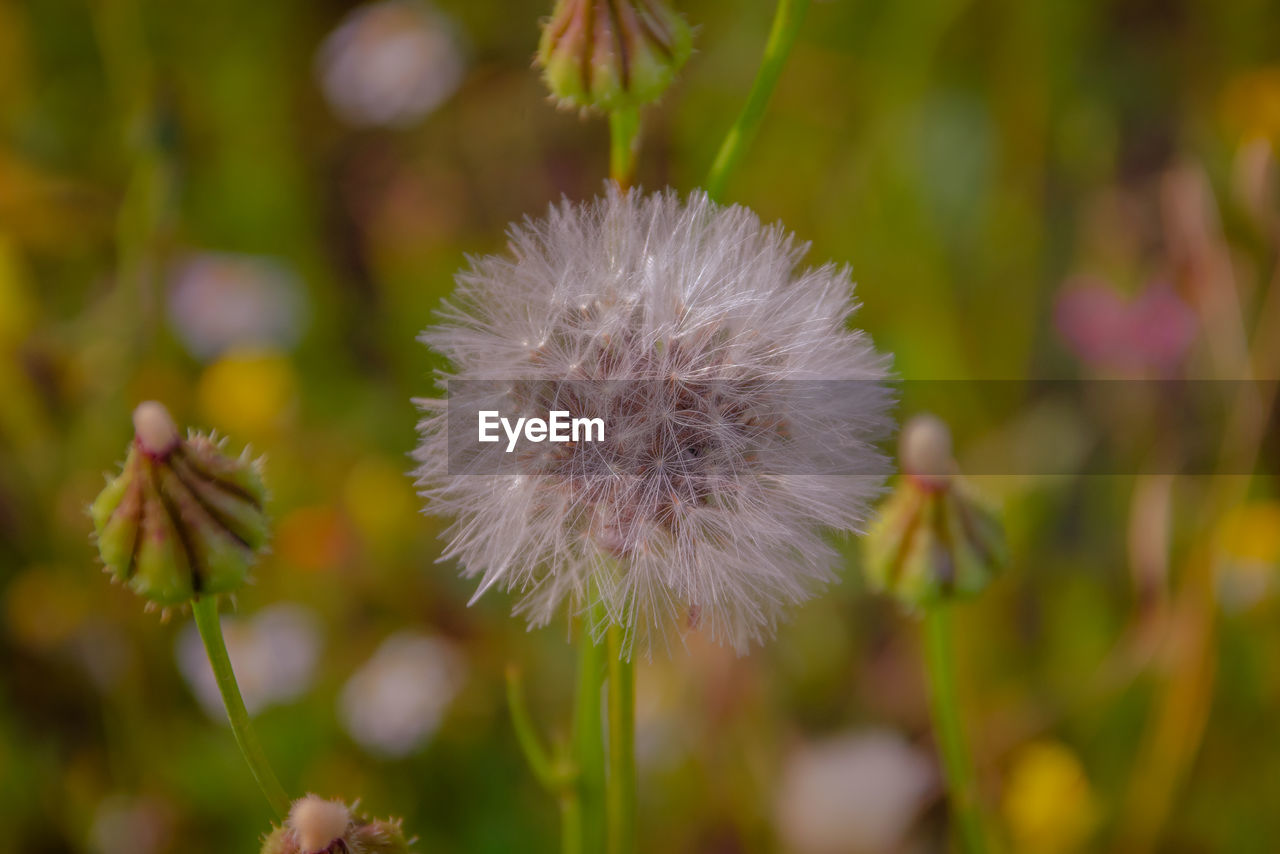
(248, 210)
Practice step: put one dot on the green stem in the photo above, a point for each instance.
(205, 609)
(782, 35)
(624, 145)
(961, 781)
(588, 739)
(570, 821)
(552, 778)
(557, 776)
(621, 792)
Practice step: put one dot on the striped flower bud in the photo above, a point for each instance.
(182, 518)
(317, 826)
(612, 54)
(933, 539)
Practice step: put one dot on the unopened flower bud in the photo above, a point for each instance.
(319, 826)
(925, 450)
(933, 539)
(182, 518)
(612, 54)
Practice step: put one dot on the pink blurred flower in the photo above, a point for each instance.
(1153, 331)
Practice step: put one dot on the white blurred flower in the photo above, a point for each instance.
(273, 653)
(390, 63)
(395, 701)
(219, 301)
(853, 794)
(126, 825)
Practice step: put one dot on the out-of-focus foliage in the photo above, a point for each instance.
(967, 157)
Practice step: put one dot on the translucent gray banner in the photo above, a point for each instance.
(747, 426)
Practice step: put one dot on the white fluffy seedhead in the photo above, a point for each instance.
(740, 416)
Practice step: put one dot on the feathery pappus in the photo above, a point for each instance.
(741, 417)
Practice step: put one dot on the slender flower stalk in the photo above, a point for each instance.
(205, 609)
(782, 36)
(945, 709)
(624, 145)
(588, 738)
(556, 773)
(621, 793)
(540, 762)
(570, 821)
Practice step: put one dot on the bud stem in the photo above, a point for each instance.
(588, 734)
(540, 762)
(624, 145)
(958, 765)
(556, 775)
(621, 793)
(782, 35)
(205, 609)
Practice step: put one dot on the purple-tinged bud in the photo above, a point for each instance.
(182, 518)
(612, 54)
(319, 826)
(933, 539)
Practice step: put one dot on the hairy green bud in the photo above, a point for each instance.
(182, 518)
(318, 826)
(934, 539)
(612, 54)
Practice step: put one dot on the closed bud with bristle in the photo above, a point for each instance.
(934, 539)
(319, 826)
(182, 518)
(612, 54)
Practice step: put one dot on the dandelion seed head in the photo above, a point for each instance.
(691, 331)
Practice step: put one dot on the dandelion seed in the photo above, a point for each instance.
(728, 452)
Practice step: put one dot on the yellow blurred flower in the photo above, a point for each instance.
(1251, 532)
(1048, 805)
(250, 395)
(1248, 552)
(1251, 103)
(44, 607)
(379, 499)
